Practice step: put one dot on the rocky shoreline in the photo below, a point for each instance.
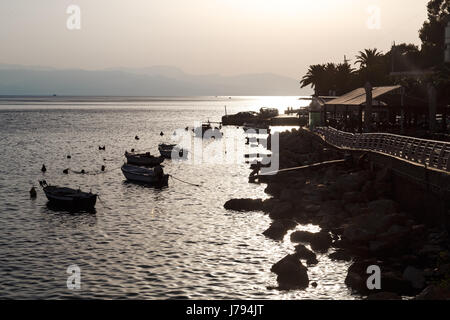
(360, 222)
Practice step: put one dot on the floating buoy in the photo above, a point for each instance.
(137, 138)
(43, 169)
(33, 193)
(161, 134)
(66, 171)
(132, 150)
(103, 168)
(69, 157)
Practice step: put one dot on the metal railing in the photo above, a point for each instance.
(430, 153)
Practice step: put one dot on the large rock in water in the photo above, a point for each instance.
(279, 228)
(301, 236)
(244, 204)
(291, 273)
(270, 203)
(340, 255)
(357, 276)
(304, 253)
(319, 241)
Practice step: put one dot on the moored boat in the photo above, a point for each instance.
(153, 176)
(68, 198)
(143, 159)
(169, 150)
(207, 131)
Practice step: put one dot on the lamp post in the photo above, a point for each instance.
(447, 43)
(432, 107)
(368, 107)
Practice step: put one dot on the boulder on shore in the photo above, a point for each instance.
(292, 274)
(415, 277)
(434, 292)
(384, 296)
(283, 210)
(244, 204)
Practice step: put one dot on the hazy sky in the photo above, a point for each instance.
(202, 36)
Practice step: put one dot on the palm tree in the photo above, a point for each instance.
(368, 58)
(315, 78)
(329, 77)
(373, 67)
(345, 76)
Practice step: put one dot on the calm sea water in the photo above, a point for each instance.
(142, 243)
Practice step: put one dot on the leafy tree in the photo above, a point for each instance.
(432, 32)
(404, 57)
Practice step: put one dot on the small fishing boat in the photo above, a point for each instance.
(168, 150)
(68, 198)
(207, 129)
(143, 159)
(154, 176)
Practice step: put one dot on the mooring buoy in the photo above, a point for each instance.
(43, 169)
(33, 193)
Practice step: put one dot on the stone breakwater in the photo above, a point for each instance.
(359, 219)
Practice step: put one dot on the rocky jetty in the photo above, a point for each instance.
(360, 221)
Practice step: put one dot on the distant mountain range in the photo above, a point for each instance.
(151, 81)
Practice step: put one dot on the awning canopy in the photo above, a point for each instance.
(358, 97)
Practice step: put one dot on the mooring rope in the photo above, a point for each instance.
(102, 203)
(192, 184)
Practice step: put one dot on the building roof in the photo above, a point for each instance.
(358, 97)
